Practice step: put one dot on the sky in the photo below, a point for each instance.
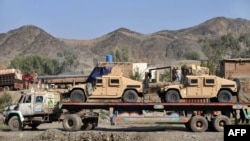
(90, 19)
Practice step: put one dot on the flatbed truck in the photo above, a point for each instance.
(36, 108)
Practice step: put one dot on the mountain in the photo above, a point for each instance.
(159, 48)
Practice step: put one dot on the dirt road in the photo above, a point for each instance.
(55, 132)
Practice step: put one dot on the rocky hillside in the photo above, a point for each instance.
(159, 48)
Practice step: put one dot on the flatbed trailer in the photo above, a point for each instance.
(197, 117)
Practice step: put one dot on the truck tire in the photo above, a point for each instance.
(172, 96)
(219, 122)
(130, 96)
(224, 96)
(198, 124)
(6, 88)
(72, 122)
(77, 96)
(15, 124)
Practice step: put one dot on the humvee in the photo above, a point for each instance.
(106, 83)
(197, 84)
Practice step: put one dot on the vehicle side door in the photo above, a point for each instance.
(194, 87)
(99, 88)
(114, 86)
(26, 107)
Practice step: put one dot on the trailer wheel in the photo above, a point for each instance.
(15, 124)
(130, 96)
(224, 96)
(198, 124)
(77, 96)
(172, 96)
(219, 122)
(72, 122)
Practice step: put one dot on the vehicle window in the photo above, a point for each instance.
(209, 81)
(27, 99)
(39, 99)
(193, 81)
(114, 81)
(98, 81)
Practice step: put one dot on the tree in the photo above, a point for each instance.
(136, 74)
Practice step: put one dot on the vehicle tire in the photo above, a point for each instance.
(219, 122)
(72, 122)
(15, 124)
(6, 88)
(224, 96)
(198, 124)
(172, 96)
(130, 96)
(77, 96)
(237, 80)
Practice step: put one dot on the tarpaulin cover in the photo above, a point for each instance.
(98, 72)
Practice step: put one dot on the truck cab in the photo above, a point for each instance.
(32, 109)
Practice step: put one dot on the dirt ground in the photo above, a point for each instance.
(55, 132)
(106, 132)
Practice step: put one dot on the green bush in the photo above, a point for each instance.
(5, 99)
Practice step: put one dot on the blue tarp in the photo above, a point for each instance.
(98, 72)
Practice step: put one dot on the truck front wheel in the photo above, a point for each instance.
(15, 124)
(77, 96)
(72, 122)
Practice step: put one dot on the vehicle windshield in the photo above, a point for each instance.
(20, 99)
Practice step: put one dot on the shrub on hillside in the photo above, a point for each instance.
(5, 99)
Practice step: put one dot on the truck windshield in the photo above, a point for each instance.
(21, 99)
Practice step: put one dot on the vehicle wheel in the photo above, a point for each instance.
(34, 125)
(172, 96)
(130, 96)
(219, 122)
(77, 96)
(224, 96)
(6, 88)
(72, 122)
(15, 124)
(198, 124)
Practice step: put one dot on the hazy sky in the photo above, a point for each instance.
(88, 19)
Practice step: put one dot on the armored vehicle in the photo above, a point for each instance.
(106, 83)
(197, 85)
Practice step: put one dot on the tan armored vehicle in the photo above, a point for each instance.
(197, 84)
(107, 83)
